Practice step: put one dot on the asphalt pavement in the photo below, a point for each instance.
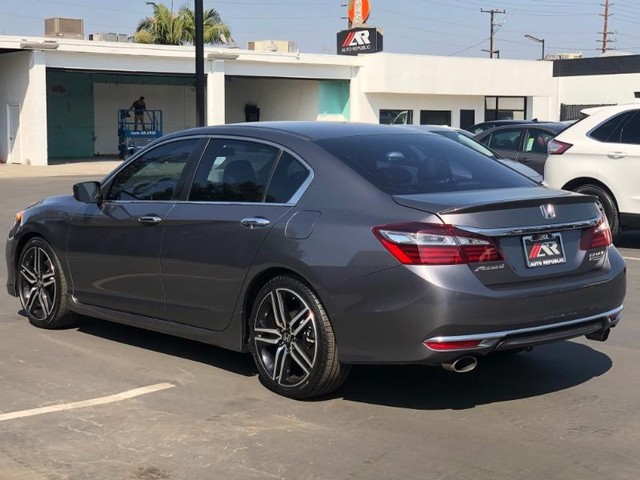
(106, 401)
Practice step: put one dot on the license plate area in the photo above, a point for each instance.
(543, 250)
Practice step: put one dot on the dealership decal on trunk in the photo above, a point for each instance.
(543, 250)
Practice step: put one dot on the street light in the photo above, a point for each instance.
(539, 40)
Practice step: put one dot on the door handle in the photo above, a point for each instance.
(616, 155)
(149, 220)
(254, 222)
(524, 159)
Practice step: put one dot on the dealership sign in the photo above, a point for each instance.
(359, 40)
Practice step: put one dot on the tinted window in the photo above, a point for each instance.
(609, 131)
(154, 175)
(631, 130)
(233, 171)
(396, 117)
(466, 141)
(505, 139)
(537, 140)
(412, 164)
(287, 179)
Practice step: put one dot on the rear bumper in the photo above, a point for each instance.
(386, 317)
(529, 337)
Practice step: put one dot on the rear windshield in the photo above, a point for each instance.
(421, 163)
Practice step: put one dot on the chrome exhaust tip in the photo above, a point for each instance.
(461, 365)
(600, 335)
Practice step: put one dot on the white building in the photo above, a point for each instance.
(61, 98)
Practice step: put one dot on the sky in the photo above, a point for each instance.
(428, 27)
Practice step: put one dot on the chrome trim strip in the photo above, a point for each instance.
(504, 333)
(506, 232)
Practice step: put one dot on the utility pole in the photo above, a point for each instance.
(199, 41)
(605, 30)
(492, 27)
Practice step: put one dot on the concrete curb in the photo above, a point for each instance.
(92, 168)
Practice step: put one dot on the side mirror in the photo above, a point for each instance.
(87, 192)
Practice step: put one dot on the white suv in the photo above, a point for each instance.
(600, 156)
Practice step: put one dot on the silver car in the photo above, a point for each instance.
(316, 246)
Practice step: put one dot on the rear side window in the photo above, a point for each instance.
(287, 179)
(233, 171)
(610, 130)
(505, 139)
(631, 130)
(405, 164)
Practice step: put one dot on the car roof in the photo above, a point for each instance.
(555, 127)
(310, 130)
(610, 109)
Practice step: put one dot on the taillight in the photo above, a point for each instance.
(596, 237)
(432, 244)
(556, 147)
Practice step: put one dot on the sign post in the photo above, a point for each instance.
(359, 38)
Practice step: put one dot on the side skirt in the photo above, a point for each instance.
(229, 338)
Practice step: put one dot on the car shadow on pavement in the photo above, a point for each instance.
(231, 361)
(547, 369)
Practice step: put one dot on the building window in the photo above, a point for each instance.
(435, 117)
(505, 108)
(396, 117)
(467, 118)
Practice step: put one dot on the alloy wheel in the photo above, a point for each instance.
(285, 334)
(37, 283)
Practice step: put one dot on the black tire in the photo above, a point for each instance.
(292, 341)
(42, 286)
(606, 202)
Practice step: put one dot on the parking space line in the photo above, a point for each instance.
(631, 258)
(118, 397)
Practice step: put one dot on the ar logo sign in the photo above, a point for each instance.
(360, 37)
(544, 250)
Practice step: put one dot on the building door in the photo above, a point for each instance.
(13, 121)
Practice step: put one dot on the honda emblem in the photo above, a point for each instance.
(548, 211)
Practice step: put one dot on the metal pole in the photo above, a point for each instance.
(542, 49)
(200, 81)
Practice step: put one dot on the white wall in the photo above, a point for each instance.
(599, 89)
(454, 103)
(23, 82)
(176, 102)
(278, 99)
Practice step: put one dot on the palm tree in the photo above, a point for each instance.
(166, 28)
(215, 30)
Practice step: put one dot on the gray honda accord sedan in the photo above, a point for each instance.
(316, 246)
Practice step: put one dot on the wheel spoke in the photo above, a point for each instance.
(31, 298)
(44, 302)
(278, 309)
(279, 363)
(37, 258)
(301, 324)
(298, 356)
(28, 275)
(267, 335)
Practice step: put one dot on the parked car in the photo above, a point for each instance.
(489, 124)
(600, 155)
(318, 245)
(524, 143)
(466, 138)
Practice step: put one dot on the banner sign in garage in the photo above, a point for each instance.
(359, 40)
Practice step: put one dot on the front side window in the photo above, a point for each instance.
(406, 164)
(505, 139)
(155, 174)
(233, 171)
